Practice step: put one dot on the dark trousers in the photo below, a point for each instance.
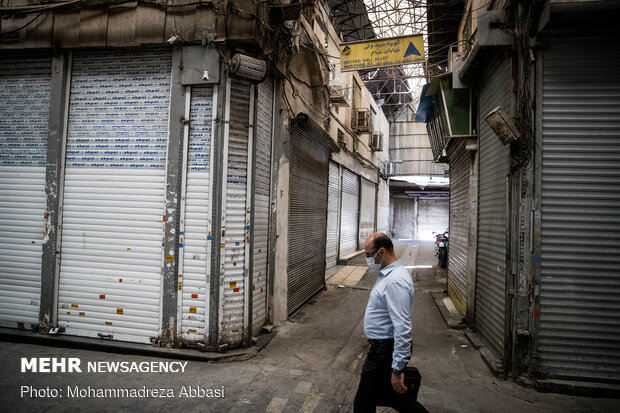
(375, 387)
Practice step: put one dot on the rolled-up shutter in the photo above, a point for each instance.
(495, 90)
(579, 331)
(460, 162)
(114, 193)
(403, 222)
(195, 243)
(367, 210)
(262, 191)
(25, 85)
(333, 208)
(349, 212)
(307, 217)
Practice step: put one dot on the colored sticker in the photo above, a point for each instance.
(194, 295)
(74, 306)
(119, 311)
(120, 280)
(82, 313)
(191, 331)
(536, 313)
(108, 323)
(169, 258)
(102, 296)
(180, 285)
(235, 331)
(192, 309)
(236, 290)
(233, 284)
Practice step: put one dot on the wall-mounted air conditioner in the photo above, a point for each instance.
(376, 142)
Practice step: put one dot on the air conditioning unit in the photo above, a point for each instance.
(376, 142)
(360, 121)
(338, 96)
(389, 168)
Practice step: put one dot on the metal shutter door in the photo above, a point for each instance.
(460, 161)
(403, 225)
(262, 186)
(308, 218)
(235, 222)
(25, 85)
(579, 331)
(114, 192)
(367, 210)
(496, 83)
(349, 212)
(333, 205)
(195, 241)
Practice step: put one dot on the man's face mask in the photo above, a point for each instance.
(371, 262)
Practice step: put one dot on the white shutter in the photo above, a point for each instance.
(235, 223)
(333, 205)
(195, 241)
(261, 203)
(114, 193)
(24, 114)
(349, 212)
(367, 211)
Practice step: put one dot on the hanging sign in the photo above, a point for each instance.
(381, 52)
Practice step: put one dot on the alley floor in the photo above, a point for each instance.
(312, 365)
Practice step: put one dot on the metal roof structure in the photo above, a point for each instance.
(397, 89)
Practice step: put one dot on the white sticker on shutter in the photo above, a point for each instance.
(114, 193)
(24, 115)
(195, 245)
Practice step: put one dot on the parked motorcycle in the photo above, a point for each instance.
(441, 247)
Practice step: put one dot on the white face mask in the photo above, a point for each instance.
(371, 263)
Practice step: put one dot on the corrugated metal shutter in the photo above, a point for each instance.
(114, 192)
(460, 161)
(403, 225)
(262, 186)
(307, 218)
(236, 221)
(495, 90)
(333, 205)
(25, 85)
(195, 242)
(579, 331)
(367, 210)
(349, 212)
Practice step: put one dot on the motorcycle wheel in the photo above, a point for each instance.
(443, 257)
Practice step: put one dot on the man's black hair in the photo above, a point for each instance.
(382, 241)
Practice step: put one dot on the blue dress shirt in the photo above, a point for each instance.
(388, 313)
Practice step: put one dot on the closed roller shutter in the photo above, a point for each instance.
(460, 161)
(333, 205)
(496, 83)
(114, 192)
(262, 192)
(307, 217)
(195, 242)
(403, 225)
(235, 223)
(579, 331)
(349, 212)
(367, 210)
(25, 85)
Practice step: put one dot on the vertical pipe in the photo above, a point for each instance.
(210, 250)
(249, 225)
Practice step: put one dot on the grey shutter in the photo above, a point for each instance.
(579, 331)
(460, 161)
(367, 210)
(262, 186)
(349, 212)
(114, 193)
(495, 90)
(25, 85)
(307, 217)
(403, 225)
(331, 249)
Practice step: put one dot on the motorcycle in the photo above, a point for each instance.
(441, 248)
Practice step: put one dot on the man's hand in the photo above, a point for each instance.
(398, 382)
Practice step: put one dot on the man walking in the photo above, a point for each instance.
(387, 325)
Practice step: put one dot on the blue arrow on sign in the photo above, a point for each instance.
(411, 49)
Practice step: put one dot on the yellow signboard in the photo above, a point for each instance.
(383, 52)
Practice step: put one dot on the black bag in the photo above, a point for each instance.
(413, 379)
